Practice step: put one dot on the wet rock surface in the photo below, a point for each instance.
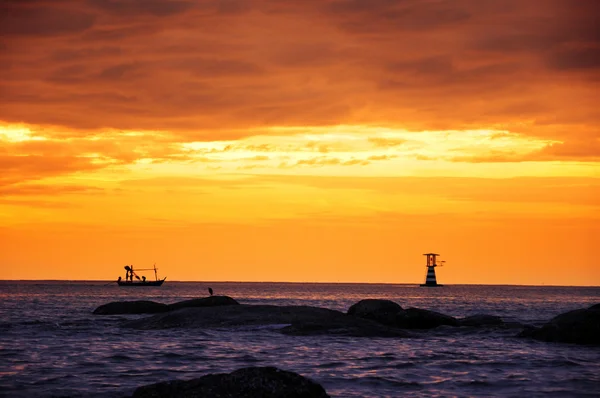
(151, 307)
(366, 318)
(264, 382)
(480, 320)
(295, 320)
(131, 307)
(390, 313)
(579, 327)
(416, 318)
(211, 301)
(383, 311)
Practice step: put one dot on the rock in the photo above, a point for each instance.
(383, 311)
(479, 320)
(579, 326)
(391, 314)
(131, 307)
(416, 318)
(302, 320)
(151, 307)
(210, 301)
(264, 382)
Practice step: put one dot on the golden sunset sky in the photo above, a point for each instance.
(301, 140)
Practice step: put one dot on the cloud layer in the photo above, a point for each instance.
(527, 67)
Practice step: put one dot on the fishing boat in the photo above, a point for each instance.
(130, 274)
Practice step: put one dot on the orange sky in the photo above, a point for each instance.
(313, 140)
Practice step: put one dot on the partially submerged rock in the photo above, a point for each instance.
(131, 307)
(383, 311)
(479, 320)
(416, 318)
(300, 320)
(263, 382)
(579, 326)
(151, 307)
(389, 313)
(211, 301)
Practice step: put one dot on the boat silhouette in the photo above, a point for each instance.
(130, 274)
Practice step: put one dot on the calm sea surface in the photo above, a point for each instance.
(52, 345)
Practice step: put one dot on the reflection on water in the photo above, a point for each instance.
(51, 344)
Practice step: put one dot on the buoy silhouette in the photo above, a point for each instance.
(430, 279)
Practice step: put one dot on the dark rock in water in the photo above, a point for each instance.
(383, 311)
(263, 382)
(578, 326)
(389, 313)
(302, 320)
(416, 318)
(210, 301)
(131, 307)
(479, 320)
(151, 307)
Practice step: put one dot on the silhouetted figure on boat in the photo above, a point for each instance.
(210, 291)
(128, 273)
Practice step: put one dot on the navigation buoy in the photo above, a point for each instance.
(430, 279)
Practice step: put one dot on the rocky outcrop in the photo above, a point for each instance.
(416, 318)
(389, 313)
(480, 320)
(579, 326)
(294, 320)
(131, 307)
(151, 307)
(382, 311)
(263, 382)
(211, 301)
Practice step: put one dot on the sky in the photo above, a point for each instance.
(301, 140)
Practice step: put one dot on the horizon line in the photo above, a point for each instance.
(304, 282)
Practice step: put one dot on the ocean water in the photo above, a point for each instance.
(52, 345)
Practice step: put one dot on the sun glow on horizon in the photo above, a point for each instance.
(275, 185)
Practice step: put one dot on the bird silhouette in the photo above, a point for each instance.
(210, 291)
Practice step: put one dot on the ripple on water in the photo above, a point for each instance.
(61, 338)
(120, 358)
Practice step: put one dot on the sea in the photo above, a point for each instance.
(52, 345)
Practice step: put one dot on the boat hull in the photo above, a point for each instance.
(141, 284)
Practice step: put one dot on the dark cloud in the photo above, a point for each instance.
(141, 7)
(111, 34)
(578, 58)
(24, 19)
(215, 67)
(196, 66)
(394, 16)
(82, 54)
(436, 65)
(119, 72)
